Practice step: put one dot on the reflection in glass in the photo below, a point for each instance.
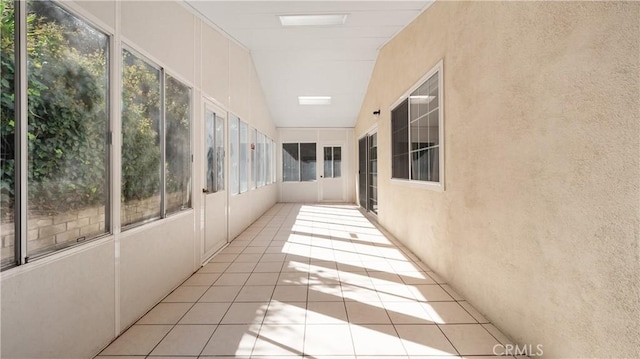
(219, 153)
(68, 122)
(178, 145)
(307, 162)
(7, 133)
(234, 139)
(244, 163)
(337, 162)
(210, 149)
(290, 163)
(141, 153)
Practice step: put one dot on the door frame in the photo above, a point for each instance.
(343, 163)
(366, 136)
(212, 105)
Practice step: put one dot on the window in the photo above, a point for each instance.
(298, 162)
(141, 147)
(151, 190)
(178, 145)
(253, 150)
(214, 151)
(234, 144)
(260, 149)
(416, 132)
(65, 131)
(332, 162)
(244, 163)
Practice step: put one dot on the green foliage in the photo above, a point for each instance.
(141, 156)
(67, 119)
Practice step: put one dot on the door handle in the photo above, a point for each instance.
(204, 190)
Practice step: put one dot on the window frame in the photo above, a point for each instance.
(164, 73)
(431, 185)
(299, 160)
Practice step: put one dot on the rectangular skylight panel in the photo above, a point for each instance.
(313, 20)
(314, 100)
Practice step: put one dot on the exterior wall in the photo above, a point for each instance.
(74, 302)
(538, 225)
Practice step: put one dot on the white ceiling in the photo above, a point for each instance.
(334, 61)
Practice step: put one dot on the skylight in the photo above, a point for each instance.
(314, 100)
(313, 20)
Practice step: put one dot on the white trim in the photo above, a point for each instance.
(440, 185)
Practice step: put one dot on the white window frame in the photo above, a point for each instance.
(437, 186)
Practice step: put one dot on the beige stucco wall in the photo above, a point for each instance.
(538, 226)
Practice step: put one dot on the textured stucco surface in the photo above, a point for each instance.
(538, 226)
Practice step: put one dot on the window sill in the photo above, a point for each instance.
(432, 186)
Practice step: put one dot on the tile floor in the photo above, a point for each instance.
(311, 281)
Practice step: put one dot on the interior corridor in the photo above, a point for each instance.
(312, 281)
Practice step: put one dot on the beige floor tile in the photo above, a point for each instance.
(245, 313)
(185, 340)
(255, 293)
(470, 339)
(376, 340)
(233, 340)
(221, 293)
(424, 340)
(205, 313)
(288, 293)
(428, 293)
(285, 313)
(354, 293)
(499, 335)
(263, 279)
(452, 292)
(325, 293)
(204, 279)
(255, 250)
(241, 267)
(293, 278)
(328, 340)
(224, 258)
(396, 293)
(407, 313)
(232, 279)
(448, 313)
(248, 257)
(165, 313)
(279, 340)
(185, 294)
(416, 277)
(268, 267)
(367, 313)
(474, 313)
(137, 340)
(214, 267)
(326, 313)
(273, 257)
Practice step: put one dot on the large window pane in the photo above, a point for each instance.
(141, 152)
(7, 133)
(328, 162)
(400, 141)
(68, 123)
(307, 162)
(178, 145)
(260, 149)
(253, 150)
(337, 162)
(244, 163)
(234, 143)
(210, 150)
(219, 153)
(290, 162)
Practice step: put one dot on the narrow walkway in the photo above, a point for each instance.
(312, 281)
